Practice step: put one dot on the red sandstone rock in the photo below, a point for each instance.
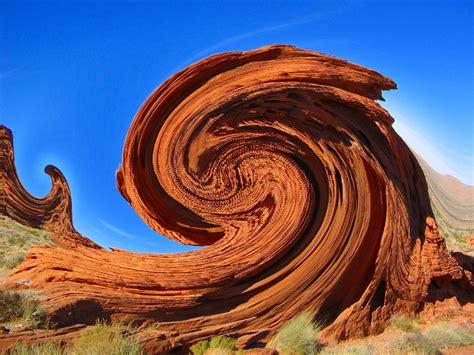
(52, 213)
(63, 336)
(281, 162)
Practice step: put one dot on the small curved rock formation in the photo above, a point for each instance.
(280, 162)
(52, 213)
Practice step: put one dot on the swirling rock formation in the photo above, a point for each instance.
(52, 213)
(281, 162)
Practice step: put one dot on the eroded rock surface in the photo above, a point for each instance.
(281, 162)
(51, 213)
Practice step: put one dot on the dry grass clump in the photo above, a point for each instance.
(432, 340)
(105, 339)
(298, 336)
(11, 260)
(37, 349)
(446, 335)
(363, 349)
(16, 239)
(413, 343)
(101, 339)
(218, 345)
(403, 323)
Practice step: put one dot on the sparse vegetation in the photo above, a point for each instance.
(218, 345)
(365, 349)
(101, 339)
(37, 349)
(452, 208)
(21, 306)
(15, 240)
(403, 323)
(449, 335)
(11, 261)
(105, 339)
(413, 343)
(200, 348)
(116, 339)
(298, 336)
(432, 340)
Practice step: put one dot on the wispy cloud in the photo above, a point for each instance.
(113, 240)
(8, 73)
(116, 230)
(322, 15)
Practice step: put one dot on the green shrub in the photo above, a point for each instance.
(200, 348)
(16, 305)
(298, 336)
(413, 343)
(103, 339)
(10, 305)
(218, 345)
(432, 340)
(403, 323)
(37, 349)
(446, 335)
(222, 342)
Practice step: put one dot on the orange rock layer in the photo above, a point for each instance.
(51, 213)
(280, 162)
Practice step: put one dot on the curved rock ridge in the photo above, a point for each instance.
(52, 213)
(280, 162)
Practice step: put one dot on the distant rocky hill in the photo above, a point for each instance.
(453, 206)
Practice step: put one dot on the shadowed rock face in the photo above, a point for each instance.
(281, 162)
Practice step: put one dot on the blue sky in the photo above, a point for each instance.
(73, 74)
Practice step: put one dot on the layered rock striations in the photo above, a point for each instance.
(280, 161)
(52, 213)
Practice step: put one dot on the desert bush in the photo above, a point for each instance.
(298, 336)
(403, 323)
(222, 342)
(413, 343)
(10, 305)
(432, 340)
(446, 335)
(200, 347)
(37, 349)
(218, 345)
(11, 261)
(16, 306)
(104, 339)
